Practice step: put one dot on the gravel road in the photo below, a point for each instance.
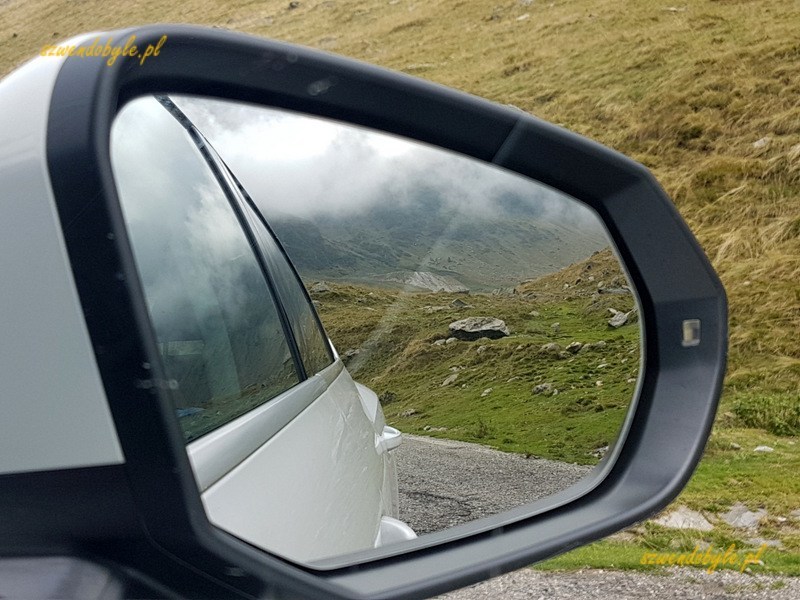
(674, 584)
(443, 483)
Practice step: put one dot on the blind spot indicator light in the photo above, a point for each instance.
(691, 333)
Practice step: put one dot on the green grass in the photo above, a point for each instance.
(402, 363)
(620, 555)
(726, 475)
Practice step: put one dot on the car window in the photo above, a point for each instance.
(219, 333)
(311, 339)
(312, 342)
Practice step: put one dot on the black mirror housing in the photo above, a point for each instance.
(683, 310)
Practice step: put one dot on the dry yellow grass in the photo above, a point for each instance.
(687, 89)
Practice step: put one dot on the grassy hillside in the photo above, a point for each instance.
(388, 240)
(486, 391)
(705, 93)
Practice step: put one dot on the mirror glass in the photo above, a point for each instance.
(367, 338)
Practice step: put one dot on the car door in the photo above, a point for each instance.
(282, 442)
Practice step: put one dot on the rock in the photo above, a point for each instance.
(543, 388)
(596, 346)
(524, 17)
(758, 542)
(450, 340)
(320, 287)
(475, 328)
(504, 291)
(574, 347)
(486, 392)
(535, 313)
(429, 428)
(433, 309)
(408, 413)
(618, 320)
(795, 514)
(763, 449)
(623, 536)
(351, 352)
(425, 280)
(739, 516)
(294, 4)
(482, 349)
(734, 446)
(450, 379)
(458, 303)
(762, 143)
(387, 397)
(598, 383)
(684, 518)
(551, 348)
(510, 379)
(631, 380)
(599, 452)
(556, 327)
(441, 342)
(602, 365)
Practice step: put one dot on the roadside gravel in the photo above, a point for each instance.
(672, 584)
(443, 483)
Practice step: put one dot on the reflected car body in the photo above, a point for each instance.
(290, 454)
(300, 466)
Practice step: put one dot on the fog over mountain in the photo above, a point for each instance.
(353, 204)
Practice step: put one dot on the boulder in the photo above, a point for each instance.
(741, 517)
(684, 518)
(320, 287)
(450, 379)
(475, 328)
(458, 303)
(618, 320)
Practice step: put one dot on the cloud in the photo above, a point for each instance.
(311, 168)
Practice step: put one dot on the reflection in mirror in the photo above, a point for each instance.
(484, 315)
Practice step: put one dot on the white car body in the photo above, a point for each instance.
(306, 485)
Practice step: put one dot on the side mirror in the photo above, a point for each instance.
(135, 477)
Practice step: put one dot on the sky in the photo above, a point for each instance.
(309, 167)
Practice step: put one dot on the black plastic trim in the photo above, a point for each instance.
(210, 158)
(674, 280)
